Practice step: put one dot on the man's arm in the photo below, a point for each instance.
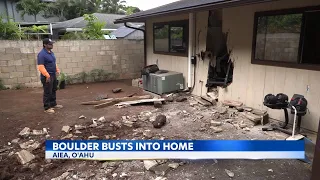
(57, 69)
(41, 67)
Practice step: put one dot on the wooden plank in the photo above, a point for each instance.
(209, 99)
(96, 102)
(118, 100)
(139, 102)
(254, 118)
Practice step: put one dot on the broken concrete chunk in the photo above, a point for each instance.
(79, 127)
(215, 123)
(30, 145)
(240, 108)
(148, 164)
(230, 174)
(202, 102)
(160, 170)
(174, 165)
(157, 104)
(123, 175)
(66, 129)
(259, 112)
(24, 156)
(114, 175)
(124, 117)
(69, 136)
(254, 118)
(248, 109)
(193, 103)
(212, 95)
(102, 119)
(93, 137)
(78, 132)
(82, 117)
(242, 125)
(270, 170)
(210, 100)
(37, 132)
(169, 99)
(246, 129)
(160, 178)
(62, 176)
(15, 141)
(216, 129)
(45, 130)
(25, 132)
(232, 103)
(159, 121)
(181, 99)
(116, 90)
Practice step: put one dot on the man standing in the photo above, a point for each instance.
(49, 72)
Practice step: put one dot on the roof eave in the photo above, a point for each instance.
(225, 4)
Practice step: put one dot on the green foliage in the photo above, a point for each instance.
(113, 6)
(10, 30)
(161, 32)
(96, 75)
(280, 24)
(30, 7)
(73, 36)
(2, 87)
(131, 10)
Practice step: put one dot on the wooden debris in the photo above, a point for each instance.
(249, 109)
(254, 118)
(118, 100)
(96, 102)
(265, 119)
(212, 95)
(203, 102)
(157, 104)
(232, 103)
(209, 99)
(259, 112)
(139, 102)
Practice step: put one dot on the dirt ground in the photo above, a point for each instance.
(23, 108)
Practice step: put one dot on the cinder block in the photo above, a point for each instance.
(76, 59)
(65, 59)
(15, 63)
(4, 75)
(85, 48)
(29, 62)
(91, 53)
(74, 48)
(86, 58)
(13, 50)
(118, 42)
(27, 50)
(77, 70)
(69, 54)
(5, 44)
(29, 74)
(5, 56)
(8, 69)
(16, 74)
(124, 66)
(95, 47)
(37, 49)
(128, 51)
(24, 80)
(136, 51)
(83, 64)
(116, 57)
(59, 54)
(35, 79)
(125, 57)
(62, 49)
(101, 53)
(23, 68)
(67, 43)
(81, 54)
(112, 53)
(2, 50)
(68, 71)
(3, 63)
(72, 65)
(109, 42)
(102, 63)
(97, 58)
(20, 56)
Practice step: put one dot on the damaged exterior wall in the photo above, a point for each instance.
(252, 82)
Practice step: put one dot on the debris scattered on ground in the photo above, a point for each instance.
(193, 103)
(232, 103)
(37, 132)
(148, 164)
(112, 102)
(157, 104)
(181, 99)
(174, 165)
(240, 108)
(212, 95)
(30, 145)
(216, 129)
(15, 141)
(160, 170)
(202, 102)
(78, 132)
(160, 178)
(159, 121)
(169, 99)
(102, 119)
(270, 170)
(116, 90)
(93, 137)
(62, 176)
(101, 97)
(254, 118)
(114, 175)
(128, 103)
(69, 136)
(66, 129)
(131, 95)
(210, 100)
(79, 127)
(25, 132)
(123, 175)
(162, 161)
(82, 117)
(248, 109)
(215, 123)
(229, 173)
(222, 110)
(24, 156)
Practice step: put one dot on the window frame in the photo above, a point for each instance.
(298, 64)
(172, 24)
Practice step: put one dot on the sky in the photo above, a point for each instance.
(148, 4)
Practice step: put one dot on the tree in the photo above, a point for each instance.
(113, 6)
(10, 30)
(30, 7)
(131, 10)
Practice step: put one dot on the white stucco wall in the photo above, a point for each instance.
(252, 82)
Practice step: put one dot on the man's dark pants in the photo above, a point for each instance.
(49, 92)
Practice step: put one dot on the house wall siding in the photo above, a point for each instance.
(252, 82)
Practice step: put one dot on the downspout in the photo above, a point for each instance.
(144, 40)
(190, 48)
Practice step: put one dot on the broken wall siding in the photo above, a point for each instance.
(252, 82)
(18, 59)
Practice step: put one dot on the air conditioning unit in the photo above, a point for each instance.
(162, 82)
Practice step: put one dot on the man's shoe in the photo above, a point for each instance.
(49, 111)
(58, 107)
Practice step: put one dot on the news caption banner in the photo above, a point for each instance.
(174, 149)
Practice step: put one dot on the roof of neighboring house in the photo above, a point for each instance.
(81, 23)
(185, 6)
(124, 31)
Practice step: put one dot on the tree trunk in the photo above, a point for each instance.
(35, 18)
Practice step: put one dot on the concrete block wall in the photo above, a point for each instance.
(18, 59)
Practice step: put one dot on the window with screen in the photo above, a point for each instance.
(171, 38)
(288, 38)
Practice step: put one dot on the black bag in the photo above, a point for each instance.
(300, 103)
(149, 69)
(282, 98)
(270, 99)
